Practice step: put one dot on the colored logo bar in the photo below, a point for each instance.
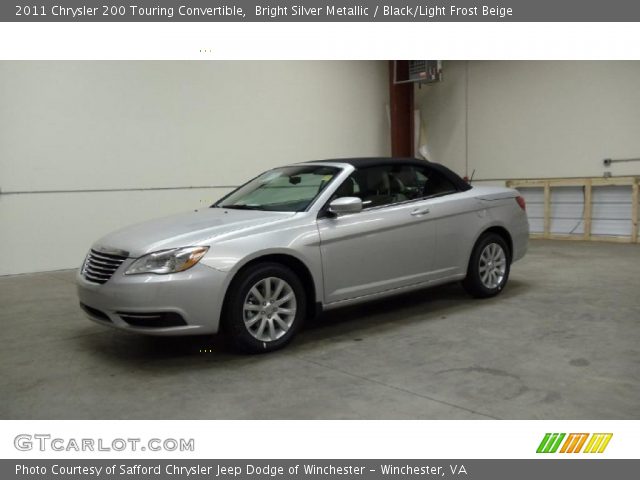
(574, 442)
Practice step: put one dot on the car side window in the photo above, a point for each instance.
(375, 186)
(435, 183)
(389, 184)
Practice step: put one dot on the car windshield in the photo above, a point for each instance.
(286, 189)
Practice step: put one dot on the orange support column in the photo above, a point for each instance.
(401, 109)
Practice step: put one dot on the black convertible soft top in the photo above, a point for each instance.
(367, 162)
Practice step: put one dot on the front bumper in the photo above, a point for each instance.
(194, 297)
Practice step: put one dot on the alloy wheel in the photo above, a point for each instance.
(493, 266)
(269, 309)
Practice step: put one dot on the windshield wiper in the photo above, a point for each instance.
(243, 207)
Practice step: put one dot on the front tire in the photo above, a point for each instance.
(265, 308)
(489, 267)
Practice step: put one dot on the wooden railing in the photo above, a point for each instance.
(587, 184)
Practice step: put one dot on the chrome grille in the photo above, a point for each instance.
(100, 266)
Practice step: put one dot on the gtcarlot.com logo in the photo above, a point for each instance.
(44, 442)
(574, 443)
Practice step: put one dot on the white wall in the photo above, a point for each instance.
(136, 125)
(533, 119)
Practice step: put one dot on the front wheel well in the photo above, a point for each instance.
(298, 267)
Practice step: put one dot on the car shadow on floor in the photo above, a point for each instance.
(394, 312)
(353, 323)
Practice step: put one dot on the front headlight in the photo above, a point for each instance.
(167, 261)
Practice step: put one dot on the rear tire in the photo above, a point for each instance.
(265, 308)
(489, 266)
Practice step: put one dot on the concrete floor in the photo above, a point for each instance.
(561, 342)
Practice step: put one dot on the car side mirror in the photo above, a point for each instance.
(345, 205)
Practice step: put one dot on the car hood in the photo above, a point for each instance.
(198, 227)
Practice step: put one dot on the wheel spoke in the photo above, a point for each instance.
(286, 311)
(267, 288)
(252, 321)
(283, 300)
(251, 307)
(261, 328)
(256, 293)
(272, 329)
(281, 323)
(278, 289)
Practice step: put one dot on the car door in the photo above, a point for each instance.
(455, 216)
(388, 245)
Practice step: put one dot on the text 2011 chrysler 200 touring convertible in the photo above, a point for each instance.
(299, 239)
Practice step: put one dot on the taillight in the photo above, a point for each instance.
(522, 203)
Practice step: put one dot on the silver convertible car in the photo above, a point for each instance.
(300, 239)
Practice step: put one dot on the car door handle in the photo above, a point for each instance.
(419, 211)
